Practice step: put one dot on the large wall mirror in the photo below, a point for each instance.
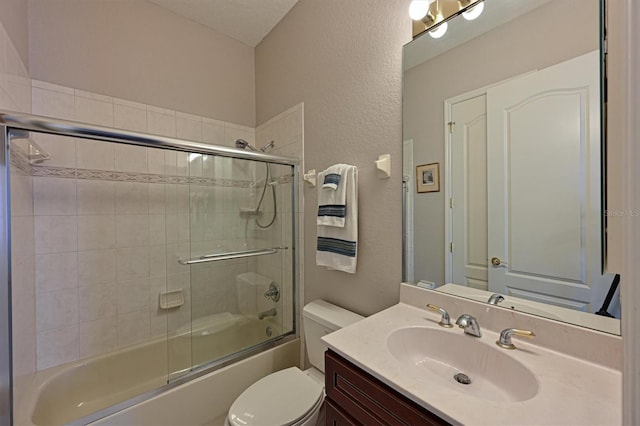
(502, 159)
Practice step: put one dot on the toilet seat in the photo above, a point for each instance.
(285, 398)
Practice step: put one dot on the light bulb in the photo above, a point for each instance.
(418, 9)
(474, 12)
(439, 31)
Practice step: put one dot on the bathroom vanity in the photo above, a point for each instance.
(400, 366)
(356, 397)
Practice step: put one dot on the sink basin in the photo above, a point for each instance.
(436, 356)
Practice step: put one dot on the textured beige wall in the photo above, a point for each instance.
(135, 50)
(343, 59)
(14, 18)
(570, 29)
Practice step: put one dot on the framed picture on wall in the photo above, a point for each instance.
(428, 177)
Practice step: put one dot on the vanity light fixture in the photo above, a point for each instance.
(419, 9)
(474, 12)
(439, 31)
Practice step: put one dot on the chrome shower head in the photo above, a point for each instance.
(242, 144)
(268, 147)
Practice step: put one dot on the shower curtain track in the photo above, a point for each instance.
(80, 130)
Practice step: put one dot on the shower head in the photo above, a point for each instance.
(242, 144)
(268, 147)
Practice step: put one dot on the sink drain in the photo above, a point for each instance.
(462, 378)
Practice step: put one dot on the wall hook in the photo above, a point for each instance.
(383, 164)
(310, 177)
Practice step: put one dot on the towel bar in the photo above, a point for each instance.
(231, 255)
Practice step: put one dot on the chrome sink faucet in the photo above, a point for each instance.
(495, 298)
(445, 321)
(469, 324)
(505, 337)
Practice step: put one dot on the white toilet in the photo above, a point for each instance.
(293, 397)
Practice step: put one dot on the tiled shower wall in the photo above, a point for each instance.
(111, 222)
(15, 95)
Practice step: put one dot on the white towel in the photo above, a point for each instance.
(338, 247)
(332, 195)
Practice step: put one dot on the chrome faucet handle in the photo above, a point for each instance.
(469, 324)
(445, 321)
(495, 298)
(505, 337)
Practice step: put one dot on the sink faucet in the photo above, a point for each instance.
(469, 324)
(495, 298)
(270, 313)
(445, 321)
(505, 337)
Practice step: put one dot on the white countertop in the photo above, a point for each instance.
(571, 391)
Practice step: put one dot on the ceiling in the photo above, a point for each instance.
(248, 21)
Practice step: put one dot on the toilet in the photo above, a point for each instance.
(293, 397)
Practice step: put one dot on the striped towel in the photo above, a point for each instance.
(332, 195)
(338, 246)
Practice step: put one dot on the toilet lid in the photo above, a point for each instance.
(280, 398)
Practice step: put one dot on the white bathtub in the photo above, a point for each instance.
(72, 391)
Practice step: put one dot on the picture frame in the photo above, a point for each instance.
(428, 178)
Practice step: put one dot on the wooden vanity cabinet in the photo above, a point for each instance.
(354, 397)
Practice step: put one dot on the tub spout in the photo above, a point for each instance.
(270, 313)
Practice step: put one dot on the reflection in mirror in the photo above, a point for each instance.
(509, 107)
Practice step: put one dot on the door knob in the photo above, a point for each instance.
(495, 261)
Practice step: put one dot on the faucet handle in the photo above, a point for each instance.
(445, 321)
(505, 337)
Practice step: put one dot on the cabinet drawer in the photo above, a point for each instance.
(367, 400)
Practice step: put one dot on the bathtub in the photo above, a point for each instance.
(69, 392)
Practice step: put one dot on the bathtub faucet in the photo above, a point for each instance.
(270, 313)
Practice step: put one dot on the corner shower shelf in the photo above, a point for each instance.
(231, 255)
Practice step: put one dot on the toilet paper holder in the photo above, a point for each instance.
(273, 293)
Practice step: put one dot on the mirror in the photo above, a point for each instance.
(502, 161)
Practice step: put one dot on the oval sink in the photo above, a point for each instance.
(438, 355)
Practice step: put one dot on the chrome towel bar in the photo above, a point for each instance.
(231, 255)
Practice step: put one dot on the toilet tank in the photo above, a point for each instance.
(320, 318)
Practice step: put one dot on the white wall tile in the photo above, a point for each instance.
(96, 302)
(97, 337)
(157, 198)
(54, 196)
(161, 123)
(132, 230)
(157, 231)
(57, 346)
(131, 158)
(96, 267)
(55, 234)
(57, 308)
(212, 132)
(231, 134)
(132, 198)
(56, 271)
(133, 327)
(95, 155)
(54, 87)
(94, 111)
(62, 149)
(132, 263)
(96, 197)
(21, 195)
(155, 161)
(53, 104)
(158, 261)
(130, 118)
(182, 163)
(22, 231)
(189, 127)
(96, 232)
(133, 296)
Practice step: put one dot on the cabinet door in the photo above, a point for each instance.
(367, 400)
